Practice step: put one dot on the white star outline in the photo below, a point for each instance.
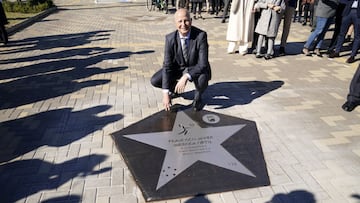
(189, 143)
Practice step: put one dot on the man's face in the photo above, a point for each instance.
(183, 22)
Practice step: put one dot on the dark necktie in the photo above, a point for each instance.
(184, 49)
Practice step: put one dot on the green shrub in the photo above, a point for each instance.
(29, 6)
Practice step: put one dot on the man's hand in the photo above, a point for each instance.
(166, 101)
(180, 86)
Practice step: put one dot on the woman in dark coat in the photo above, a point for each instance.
(3, 22)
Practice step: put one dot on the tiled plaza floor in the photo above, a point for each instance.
(71, 79)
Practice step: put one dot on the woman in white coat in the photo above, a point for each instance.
(241, 25)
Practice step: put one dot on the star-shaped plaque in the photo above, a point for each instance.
(176, 154)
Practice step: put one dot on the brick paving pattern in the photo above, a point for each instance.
(71, 79)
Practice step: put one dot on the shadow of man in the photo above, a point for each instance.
(228, 94)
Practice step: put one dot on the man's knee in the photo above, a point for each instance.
(202, 82)
(155, 81)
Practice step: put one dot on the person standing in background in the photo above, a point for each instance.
(299, 12)
(338, 20)
(216, 7)
(351, 16)
(3, 22)
(196, 5)
(226, 9)
(241, 26)
(288, 14)
(325, 12)
(257, 14)
(268, 24)
(353, 97)
(308, 11)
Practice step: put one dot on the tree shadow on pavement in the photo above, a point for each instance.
(228, 94)
(297, 196)
(23, 178)
(53, 128)
(55, 41)
(198, 199)
(67, 199)
(78, 52)
(53, 78)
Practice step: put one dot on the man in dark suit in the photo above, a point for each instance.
(353, 98)
(351, 15)
(185, 59)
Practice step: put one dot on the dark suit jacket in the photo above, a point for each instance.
(347, 8)
(197, 60)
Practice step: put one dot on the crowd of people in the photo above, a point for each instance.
(257, 22)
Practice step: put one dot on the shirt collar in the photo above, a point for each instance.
(185, 37)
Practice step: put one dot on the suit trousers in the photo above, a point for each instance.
(354, 93)
(289, 12)
(201, 82)
(226, 8)
(347, 20)
(338, 22)
(257, 16)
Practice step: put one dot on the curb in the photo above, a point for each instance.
(17, 27)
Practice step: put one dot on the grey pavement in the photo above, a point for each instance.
(74, 77)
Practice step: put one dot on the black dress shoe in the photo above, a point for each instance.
(223, 21)
(334, 54)
(318, 53)
(174, 95)
(282, 51)
(268, 56)
(329, 51)
(351, 59)
(197, 105)
(349, 106)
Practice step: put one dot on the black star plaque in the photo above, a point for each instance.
(186, 153)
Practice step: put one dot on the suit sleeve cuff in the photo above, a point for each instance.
(188, 76)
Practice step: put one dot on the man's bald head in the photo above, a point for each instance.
(183, 21)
